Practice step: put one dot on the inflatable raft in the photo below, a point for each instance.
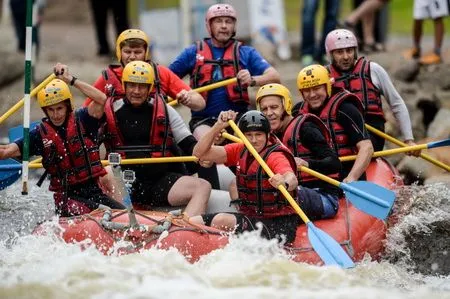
(109, 230)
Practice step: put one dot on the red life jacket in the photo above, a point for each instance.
(113, 80)
(204, 67)
(292, 140)
(257, 197)
(360, 83)
(328, 115)
(161, 137)
(73, 160)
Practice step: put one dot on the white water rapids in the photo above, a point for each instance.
(249, 267)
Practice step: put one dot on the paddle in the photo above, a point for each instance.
(35, 164)
(375, 200)
(445, 142)
(325, 246)
(10, 169)
(20, 103)
(398, 142)
(173, 102)
(9, 176)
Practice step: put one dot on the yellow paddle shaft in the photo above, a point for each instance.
(389, 152)
(269, 172)
(138, 161)
(320, 176)
(398, 142)
(302, 168)
(231, 137)
(173, 102)
(20, 103)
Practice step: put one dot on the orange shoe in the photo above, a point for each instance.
(413, 53)
(431, 58)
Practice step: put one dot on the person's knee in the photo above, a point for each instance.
(202, 185)
(224, 221)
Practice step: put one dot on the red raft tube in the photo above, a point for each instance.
(358, 232)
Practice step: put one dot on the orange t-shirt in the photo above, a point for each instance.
(276, 161)
(171, 84)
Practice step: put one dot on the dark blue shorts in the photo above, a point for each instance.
(317, 204)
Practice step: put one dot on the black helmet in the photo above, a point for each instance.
(254, 121)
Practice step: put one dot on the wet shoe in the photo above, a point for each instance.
(307, 60)
(413, 53)
(431, 58)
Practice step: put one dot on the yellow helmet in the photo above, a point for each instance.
(138, 72)
(312, 76)
(275, 89)
(54, 92)
(129, 34)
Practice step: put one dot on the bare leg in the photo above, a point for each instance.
(110, 186)
(417, 33)
(233, 190)
(192, 191)
(362, 10)
(224, 221)
(438, 35)
(367, 26)
(210, 174)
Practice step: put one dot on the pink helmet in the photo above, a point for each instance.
(219, 10)
(340, 39)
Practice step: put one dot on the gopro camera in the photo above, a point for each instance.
(128, 176)
(114, 158)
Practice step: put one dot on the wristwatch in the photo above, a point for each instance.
(252, 82)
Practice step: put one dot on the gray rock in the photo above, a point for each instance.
(14, 64)
(439, 128)
(430, 252)
(408, 71)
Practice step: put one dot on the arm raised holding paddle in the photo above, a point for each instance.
(66, 140)
(266, 205)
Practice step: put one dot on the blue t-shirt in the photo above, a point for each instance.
(90, 125)
(217, 100)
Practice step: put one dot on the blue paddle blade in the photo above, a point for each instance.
(15, 133)
(327, 248)
(444, 142)
(370, 198)
(9, 176)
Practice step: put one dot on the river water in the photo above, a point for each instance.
(45, 267)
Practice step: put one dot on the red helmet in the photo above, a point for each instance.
(219, 10)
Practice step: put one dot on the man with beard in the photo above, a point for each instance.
(369, 82)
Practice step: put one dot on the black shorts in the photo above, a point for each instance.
(282, 228)
(83, 199)
(148, 194)
(199, 120)
(378, 123)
